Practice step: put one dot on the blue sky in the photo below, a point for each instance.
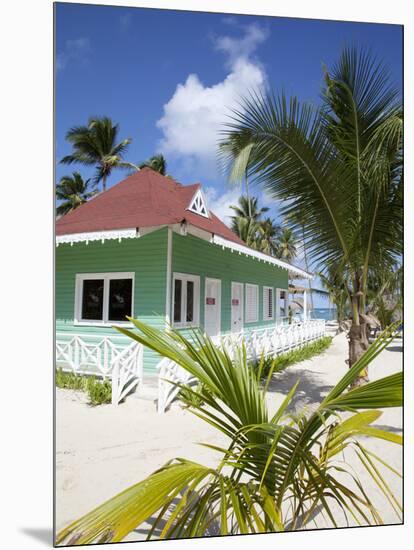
(170, 78)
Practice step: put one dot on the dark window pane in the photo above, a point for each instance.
(190, 302)
(177, 300)
(92, 299)
(120, 299)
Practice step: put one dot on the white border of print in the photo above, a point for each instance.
(26, 228)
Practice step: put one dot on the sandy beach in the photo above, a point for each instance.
(102, 450)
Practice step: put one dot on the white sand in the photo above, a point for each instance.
(102, 450)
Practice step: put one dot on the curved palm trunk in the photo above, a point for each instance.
(104, 183)
(358, 333)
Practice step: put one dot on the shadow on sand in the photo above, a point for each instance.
(310, 390)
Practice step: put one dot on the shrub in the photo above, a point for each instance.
(70, 380)
(98, 391)
(284, 360)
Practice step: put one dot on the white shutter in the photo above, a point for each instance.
(252, 303)
(268, 303)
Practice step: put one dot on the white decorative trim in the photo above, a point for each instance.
(198, 204)
(97, 236)
(241, 249)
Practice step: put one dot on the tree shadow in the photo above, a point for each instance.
(310, 391)
(143, 530)
(42, 534)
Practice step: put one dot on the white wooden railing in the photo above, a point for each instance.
(267, 341)
(105, 356)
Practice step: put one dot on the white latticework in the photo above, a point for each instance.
(106, 356)
(268, 341)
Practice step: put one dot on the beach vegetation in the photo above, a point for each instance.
(99, 391)
(338, 166)
(279, 470)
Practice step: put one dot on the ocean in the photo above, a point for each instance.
(328, 314)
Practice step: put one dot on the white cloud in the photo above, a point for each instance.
(243, 47)
(74, 50)
(195, 114)
(220, 203)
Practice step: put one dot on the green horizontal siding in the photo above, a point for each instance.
(198, 257)
(145, 256)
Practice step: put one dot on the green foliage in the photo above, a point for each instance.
(72, 191)
(157, 163)
(276, 470)
(70, 380)
(284, 360)
(96, 144)
(193, 396)
(99, 392)
(337, 166)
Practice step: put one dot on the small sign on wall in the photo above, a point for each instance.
(210, 301)
(235, 302)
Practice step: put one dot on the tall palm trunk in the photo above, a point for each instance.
(104, 182)
(247, 195)
(357, 336)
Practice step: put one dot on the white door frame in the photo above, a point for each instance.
(218, 300)
(233, 283)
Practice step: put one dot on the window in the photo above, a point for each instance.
(186, 296)
(281, 305)
(252, 303)
(267, 303)
(103, 298)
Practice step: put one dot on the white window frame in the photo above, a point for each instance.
(246, 315)
(266, 316)
(107, 277)
(184, 278)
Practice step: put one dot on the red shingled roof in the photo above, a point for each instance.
(145, 199)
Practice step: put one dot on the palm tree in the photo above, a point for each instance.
(339, 166)
(97, 145)
(287, 245)
(247, 230)
(157, 163)
(246, 221)
(275, 471)
(73, 191)
(268, 236)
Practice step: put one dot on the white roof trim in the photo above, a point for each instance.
(198, 204)
(97, 236)
(241, 249)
